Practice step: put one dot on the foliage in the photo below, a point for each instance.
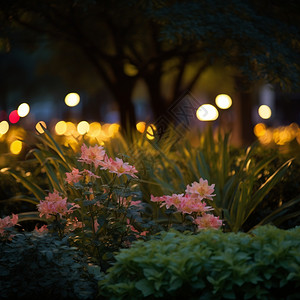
(252, 186)
(41, 266)
(209, 265)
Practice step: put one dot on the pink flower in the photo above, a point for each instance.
(118, 167)
(201, 189)
(92, 155)
(42, 230)
(73, 224)
(175, 199)
(159, 199)
(55, 204)
(208, 221)
(74, 176)
(8, 222)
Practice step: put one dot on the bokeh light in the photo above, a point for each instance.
(14, 117)
(23, 110)
(4, 127)
(72, 99)
(223, 101)
(264, 111)
(113, 129)
(150, 132)
(141, 126)
(16, 147)
(83, 127)
(38, 126)
(259, 129)
(61, 127)
(95, 129)
(71, 130)
(207, 112)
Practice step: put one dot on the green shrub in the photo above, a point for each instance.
(210, 265)
(43, 267)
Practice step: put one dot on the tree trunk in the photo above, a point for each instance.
(243, 125)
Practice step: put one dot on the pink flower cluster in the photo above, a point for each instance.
(75, 175)
(54, 204)
(96, 155)
(7, 222)
(192, 203)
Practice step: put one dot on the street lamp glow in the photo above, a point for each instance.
(72, 99)
(4, 126)
(83, 127)
(39, 128)
(23, 110)
(223, 101)
(61, 127)
(16, 147)
(207, 112)
(141, 126)
(150, 132)
(264, 112)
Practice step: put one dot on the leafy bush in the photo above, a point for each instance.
(209, 265)
(40, 266)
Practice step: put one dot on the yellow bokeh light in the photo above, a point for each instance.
(15, 147)
(141, 126)
(223, 101)
(38, 126)
(72, 99)
(207, 112)
(130, 70)
(23, 110)
(259, 129)
(264, 111)
(150, 132)
(83, 127)
(4, 126)
(113, 129)
(61, 127)
(71, 129)
(95, 129)
(267, 137)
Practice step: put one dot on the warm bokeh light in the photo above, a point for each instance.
(23, 110)
(259, 129)
(150, 132)
(38, 126)
(83, 127)
(95, 129)
(113, 129)
(61, 127)
(4, 126)
(264, 111)
(223, 101)
(14, 117)
(207, 112)
(71, 130)
(72, 99)
(130, 70)
(141, 126)
(15, 147)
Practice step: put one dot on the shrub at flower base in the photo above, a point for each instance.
(192, 203)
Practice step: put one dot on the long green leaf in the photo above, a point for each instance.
(266, 187)
(32, 187)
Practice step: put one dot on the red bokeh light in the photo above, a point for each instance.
(14, 117)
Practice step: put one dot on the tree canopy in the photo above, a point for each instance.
(156, 41)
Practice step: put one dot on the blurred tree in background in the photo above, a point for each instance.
(96, 44)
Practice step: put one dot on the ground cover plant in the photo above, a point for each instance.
(209, 265)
